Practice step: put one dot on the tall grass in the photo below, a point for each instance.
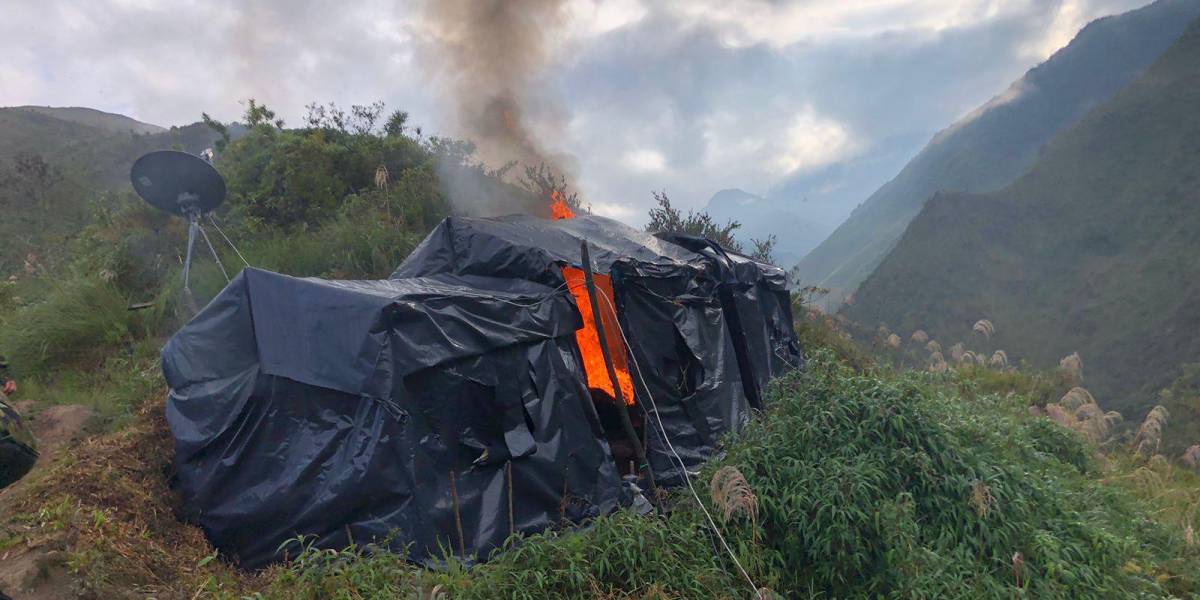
(359, 244)
(71, 323)
(865, 486)
(72, 339)
(862, 484)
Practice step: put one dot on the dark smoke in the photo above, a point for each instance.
(491, 56)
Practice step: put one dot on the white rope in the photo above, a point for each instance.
(213, 220)
(213, 250)
(554, 292)
(785, 360)
(682, 467)
(193, 225)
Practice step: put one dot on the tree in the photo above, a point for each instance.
(219, 128)
(396, 123)
(258, 114)
(763, 249)
(668, 219)
(544, 182)
(360, 121)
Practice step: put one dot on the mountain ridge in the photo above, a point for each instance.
(762, 216)
(55, 173)
(1092, 250)
(996, 143)
(94, 118)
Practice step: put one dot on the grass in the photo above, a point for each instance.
(865, 483)
(862, 479)
(1089, 250)
(71, 338)
(67, 324)
(104, 512)
(106, 391)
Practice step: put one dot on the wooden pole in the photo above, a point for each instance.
(462, 545)
(626, 422)
(511, 527)
(562, 505)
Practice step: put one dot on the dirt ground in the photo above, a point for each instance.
(96, 517)
(34, 573)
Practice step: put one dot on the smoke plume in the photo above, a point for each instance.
(491, 56)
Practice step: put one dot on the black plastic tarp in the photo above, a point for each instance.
(357, 411)
(686, 372)
(770, 293)
(758, 311)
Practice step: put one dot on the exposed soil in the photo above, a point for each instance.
(57, 427)
(37, 572)
(103, 504)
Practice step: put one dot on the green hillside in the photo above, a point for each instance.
(59, 167)
(95, 118)
(857, 481)
(95, 149)
(1093, 250)
(989, 148)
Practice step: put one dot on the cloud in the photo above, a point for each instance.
(590, 18)
(613, 210)
(812, 141)
(692, 96)
(165, 62)
(1068, 19)
(781, 24)
(644, 161)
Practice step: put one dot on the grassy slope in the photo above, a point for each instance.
(994, 145)
(1093, 250)
(95, 118)
(100, 154)
(867, 482)
(87, 170)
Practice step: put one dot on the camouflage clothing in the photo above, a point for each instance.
(18, 451)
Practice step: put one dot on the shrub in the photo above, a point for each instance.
(889, 486)
(79, 320)
(864, 484)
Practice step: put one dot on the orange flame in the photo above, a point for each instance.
(589, 341)
(559, 208)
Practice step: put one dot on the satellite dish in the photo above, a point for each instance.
(178, 183)
(188, 186)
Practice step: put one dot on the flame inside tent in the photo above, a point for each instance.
(466, 398)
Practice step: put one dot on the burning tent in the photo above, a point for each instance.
(662, 315)
(439, 412)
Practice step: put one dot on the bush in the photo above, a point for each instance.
(867, 484)
(895, 486)
(620, 555)
(78, 321)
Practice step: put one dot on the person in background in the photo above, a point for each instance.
(7, 385)
(18, 450)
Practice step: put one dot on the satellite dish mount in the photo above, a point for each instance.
(184, 185)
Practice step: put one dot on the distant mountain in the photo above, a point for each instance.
(760, 217)
(55, 163)
(992, 146)
(94, 118)
(826, 195)
(90, 143)
(1095, 249)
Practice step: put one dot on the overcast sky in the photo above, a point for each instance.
(688, 96)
